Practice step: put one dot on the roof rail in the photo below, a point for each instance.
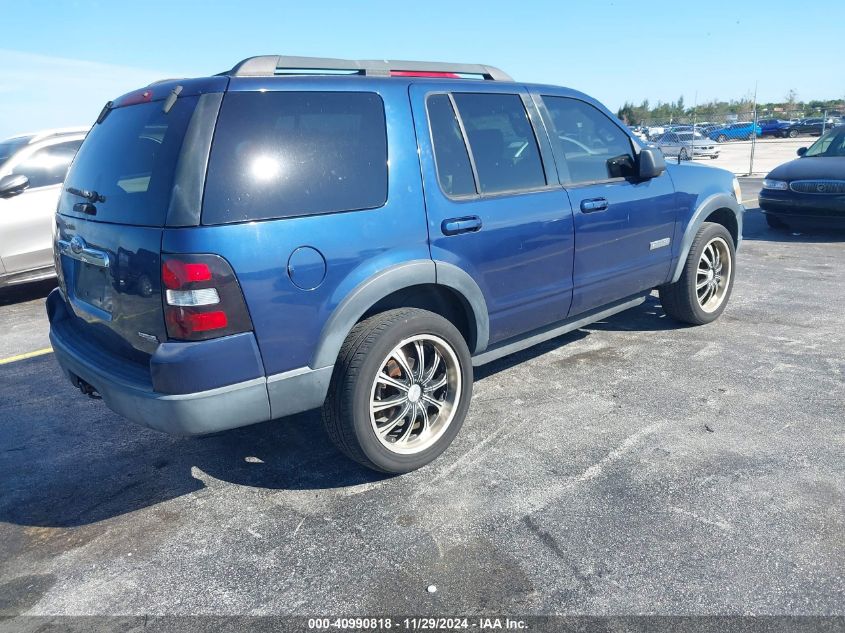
(275, 65)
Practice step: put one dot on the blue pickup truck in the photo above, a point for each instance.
(297, 233)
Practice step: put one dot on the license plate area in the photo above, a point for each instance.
(93, 286)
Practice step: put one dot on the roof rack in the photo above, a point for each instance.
(279, 65)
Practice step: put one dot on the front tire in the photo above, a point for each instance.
(705, 285)
(684, 155)
(721, 138)
(400, 390)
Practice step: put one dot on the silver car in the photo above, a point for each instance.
(687, 145)
(32, 169)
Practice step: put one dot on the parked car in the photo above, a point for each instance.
(735, 132)
(813, 126)
(360, 243)
(686, 145)
(811, 187)
(776, 128)
(706, 128)
(32, 168)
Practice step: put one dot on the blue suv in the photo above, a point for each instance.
(358, 235)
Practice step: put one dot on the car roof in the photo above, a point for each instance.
(35, 137)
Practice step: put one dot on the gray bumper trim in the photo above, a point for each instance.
(203, 412)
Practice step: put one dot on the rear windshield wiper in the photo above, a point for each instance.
(93, 196)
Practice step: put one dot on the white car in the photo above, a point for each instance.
(32, 169)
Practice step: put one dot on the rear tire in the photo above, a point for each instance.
(400, 390)
(683, 155)
(705, 285)
(792, 133)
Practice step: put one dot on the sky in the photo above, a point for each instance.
(60, 61)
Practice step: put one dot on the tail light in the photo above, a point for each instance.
(202, 298)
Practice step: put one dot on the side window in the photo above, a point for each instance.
(285, 154)
(450, 153)
(502, 142)
(593, 145)
(48, 165)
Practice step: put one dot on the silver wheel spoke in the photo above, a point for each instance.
(434, 403)
(411, 422)
(381, 405)
(391, 424)
(388, 380)
(425, 419)
(420, 351)
(434, 386)
(701, 284)
(434, 365)
(399, 356)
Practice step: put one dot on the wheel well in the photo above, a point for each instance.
(726, 218)
(434, 298)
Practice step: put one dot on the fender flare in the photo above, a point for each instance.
(460, 281)
(710, 204)
(387, 281)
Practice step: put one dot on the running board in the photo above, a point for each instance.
(553, 331)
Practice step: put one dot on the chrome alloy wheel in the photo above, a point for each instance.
(713, 275)
(415, 394)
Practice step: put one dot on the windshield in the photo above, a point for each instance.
(10, 146)
(831, 144)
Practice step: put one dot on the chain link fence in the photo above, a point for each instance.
(745, 140)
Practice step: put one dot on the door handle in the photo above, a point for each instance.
(78, 249)
(454, 226)
(594, 204)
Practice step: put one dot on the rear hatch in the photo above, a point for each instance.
(139, 170)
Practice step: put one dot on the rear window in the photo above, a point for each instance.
(285, 154)
(130, 159)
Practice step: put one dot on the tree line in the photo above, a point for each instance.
(716, 110)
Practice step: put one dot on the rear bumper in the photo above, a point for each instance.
(130, 392)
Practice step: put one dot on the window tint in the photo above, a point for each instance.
(283, 154)
(502, 142)
(450, 152)
(48, 165)
(593, 145)
(130, 159)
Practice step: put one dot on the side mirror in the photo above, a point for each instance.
(801, 151)
(650, 163)
(12, 185)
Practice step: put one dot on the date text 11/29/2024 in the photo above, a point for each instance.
(417, 624)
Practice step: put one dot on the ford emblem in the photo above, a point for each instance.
(77, 244)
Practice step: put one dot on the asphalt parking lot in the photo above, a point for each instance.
(631, 467)
(735, 156)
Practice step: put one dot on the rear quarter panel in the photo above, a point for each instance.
(356, 245)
